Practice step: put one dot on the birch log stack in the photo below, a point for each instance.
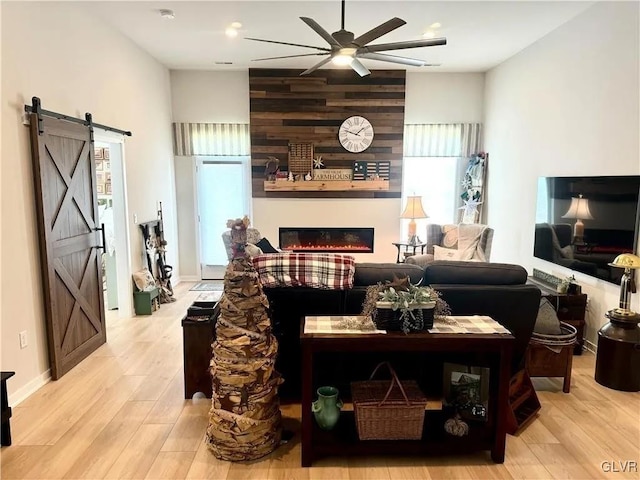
(244, 420)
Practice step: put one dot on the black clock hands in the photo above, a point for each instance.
(356, 133)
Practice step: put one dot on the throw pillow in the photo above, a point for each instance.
(252, 250)
(547, 322)
(266, 246)
(144, 280)
(440, 253)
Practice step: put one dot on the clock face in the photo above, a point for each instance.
(356, 134)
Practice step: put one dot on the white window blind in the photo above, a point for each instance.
(217, 139)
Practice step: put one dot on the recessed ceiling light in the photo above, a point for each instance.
(168, 14)
(429, 34)
(435, 25)
(231, 32)
(236, 25)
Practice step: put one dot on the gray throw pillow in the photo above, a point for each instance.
(547, 322)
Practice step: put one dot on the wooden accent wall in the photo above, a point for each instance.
(286, 107)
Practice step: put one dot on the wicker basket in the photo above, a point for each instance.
(387, 413)
(389, 320)
(567, 337)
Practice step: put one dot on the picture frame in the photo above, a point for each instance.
(100, 178)
(107, 177)
(107, 165)
(466, 390)
(98, 153)
(99, 165)
(100, 188)
(105, 153)
(108, 188)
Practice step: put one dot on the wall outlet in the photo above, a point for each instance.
(23, 339)
(135, 218)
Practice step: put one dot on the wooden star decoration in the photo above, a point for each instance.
(470, 207)
(398, 283)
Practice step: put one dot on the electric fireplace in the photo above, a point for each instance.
(325, 239)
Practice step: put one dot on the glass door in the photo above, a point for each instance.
(223, 193)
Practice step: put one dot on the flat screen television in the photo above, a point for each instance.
(606, 212)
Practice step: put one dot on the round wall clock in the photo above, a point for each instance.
(356, 134)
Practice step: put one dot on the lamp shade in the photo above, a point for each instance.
(414, 208)
(579, 208)
(626, 260)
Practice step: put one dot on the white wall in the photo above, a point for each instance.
(444, 98)
(208, 97)
(567, 105)
(199, 96)
(75, 63)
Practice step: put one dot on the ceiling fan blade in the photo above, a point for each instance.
(316, 66)
(379, 31)
(432, 42)
(393, 59)
(360, 68)
(287, 43)
(321, 31)
(290, 56)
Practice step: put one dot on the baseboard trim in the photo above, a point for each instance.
(189, 278)
(590, 347)
(30, 388)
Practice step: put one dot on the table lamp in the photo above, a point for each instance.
(413, 210)
(630, 263)
(579, 209)
(617, 360)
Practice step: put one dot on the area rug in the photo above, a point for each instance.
(207, 287)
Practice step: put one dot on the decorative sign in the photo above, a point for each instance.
(363, 170)
(333, 174)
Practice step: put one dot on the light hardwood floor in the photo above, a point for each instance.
(121, 414)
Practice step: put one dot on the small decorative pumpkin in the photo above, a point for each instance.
(456, 426)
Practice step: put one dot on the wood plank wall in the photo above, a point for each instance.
(286, 107)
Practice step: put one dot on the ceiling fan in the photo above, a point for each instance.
(347, 50)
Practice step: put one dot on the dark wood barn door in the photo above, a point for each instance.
(70, 241)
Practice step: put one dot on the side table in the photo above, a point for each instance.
(343, 439)
(407, 246)
(198, 333)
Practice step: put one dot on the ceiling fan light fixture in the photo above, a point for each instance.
(236, 25)
(429, 34)
(344, 57)
(435, 25)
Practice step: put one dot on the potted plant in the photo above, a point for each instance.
(407, 309)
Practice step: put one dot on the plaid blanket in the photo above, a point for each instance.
(316, 270)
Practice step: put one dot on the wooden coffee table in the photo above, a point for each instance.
(496, 348)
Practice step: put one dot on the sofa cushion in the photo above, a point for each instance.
(474, 273)
(372, 273)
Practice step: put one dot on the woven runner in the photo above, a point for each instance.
(334, 324)
(474, 324)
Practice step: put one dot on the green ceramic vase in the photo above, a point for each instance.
(327, 407)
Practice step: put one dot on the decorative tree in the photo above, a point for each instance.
(244, 420)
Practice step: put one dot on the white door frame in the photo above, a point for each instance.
(120, 215)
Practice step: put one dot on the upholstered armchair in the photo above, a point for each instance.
(447, 236)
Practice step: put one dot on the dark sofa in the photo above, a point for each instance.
(493, 289)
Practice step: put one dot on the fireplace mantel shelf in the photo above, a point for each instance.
(326, 186)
